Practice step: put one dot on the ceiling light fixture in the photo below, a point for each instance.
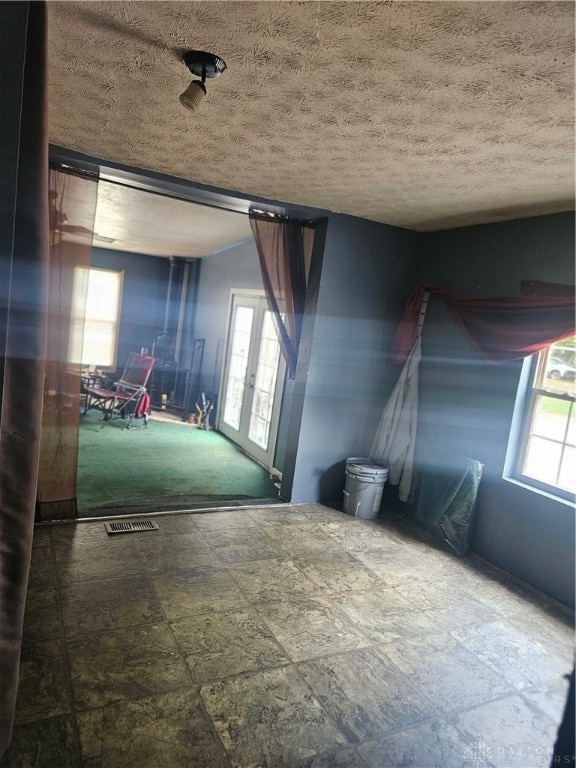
(202, 64)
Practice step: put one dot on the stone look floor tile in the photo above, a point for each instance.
(107, 562)
(247, 536)
(301, 539)
(218, 645)
(490, 586)
(355, 534)
(165, 561)
(555, 634)
(164, 730)
(43, 682)
(170, 524)
(42, 537)
(83, 540)
(550, 698)
(259, 713)
(214, 521)
(269, 718)
(278, 516)
(318, 513)
(42, 568)
(172, 552)
(384, 615)
(397, 529)
(365, 694)
(338, 572)
(513, 733)
(341, 757)
(449, 675)
(109, 604)
(434, 744)
(246, 553)
(446, 604)
(125, 664)
(402, 566)
(437, 594)
(199, 590)
(310, 627)
(154, 542)
(241, 545)
(42, 744)
(544, 609)
(521, 661)
(268, 580)
(42, 616)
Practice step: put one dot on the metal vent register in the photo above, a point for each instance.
(124, 527)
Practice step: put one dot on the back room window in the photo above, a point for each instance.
(548, 449)
(98, 302)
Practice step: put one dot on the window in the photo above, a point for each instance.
(96, 301)
(547, 455)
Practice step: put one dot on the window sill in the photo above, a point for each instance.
(540, 491)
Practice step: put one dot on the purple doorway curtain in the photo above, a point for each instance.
(21, 386)
(285, 247)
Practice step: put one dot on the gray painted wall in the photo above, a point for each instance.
(236, 267)
(343, 379)
(468, 404)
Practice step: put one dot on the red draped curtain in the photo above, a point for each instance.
(285, 247)
(500, 329)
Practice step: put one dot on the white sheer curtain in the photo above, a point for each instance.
(395, 438)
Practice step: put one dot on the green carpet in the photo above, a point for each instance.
(167, 466)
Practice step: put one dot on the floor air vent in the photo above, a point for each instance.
(124, 527)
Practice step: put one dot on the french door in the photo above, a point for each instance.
(253, 378)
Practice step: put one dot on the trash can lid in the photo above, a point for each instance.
(367, 469)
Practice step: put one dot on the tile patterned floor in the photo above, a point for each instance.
(282, 637)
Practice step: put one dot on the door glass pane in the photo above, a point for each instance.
(264, 384)
(238, 364)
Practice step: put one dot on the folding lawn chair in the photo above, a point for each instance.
(127, 398)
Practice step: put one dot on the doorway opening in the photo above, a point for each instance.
(179, 262)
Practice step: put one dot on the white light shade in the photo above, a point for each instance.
(193, 95)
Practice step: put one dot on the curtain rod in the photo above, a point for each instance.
(82, 173)
(254, 212)
(64, 167)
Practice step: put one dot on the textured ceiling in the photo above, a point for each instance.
(143, 222)
(425, 115)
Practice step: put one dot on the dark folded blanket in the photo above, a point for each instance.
(444, 495)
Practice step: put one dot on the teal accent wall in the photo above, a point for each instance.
(343, 378)
(235, 267)
(467, 404)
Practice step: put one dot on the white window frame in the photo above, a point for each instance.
(532, 386)
(113, 321)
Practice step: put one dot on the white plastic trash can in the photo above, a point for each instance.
(365, 482)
